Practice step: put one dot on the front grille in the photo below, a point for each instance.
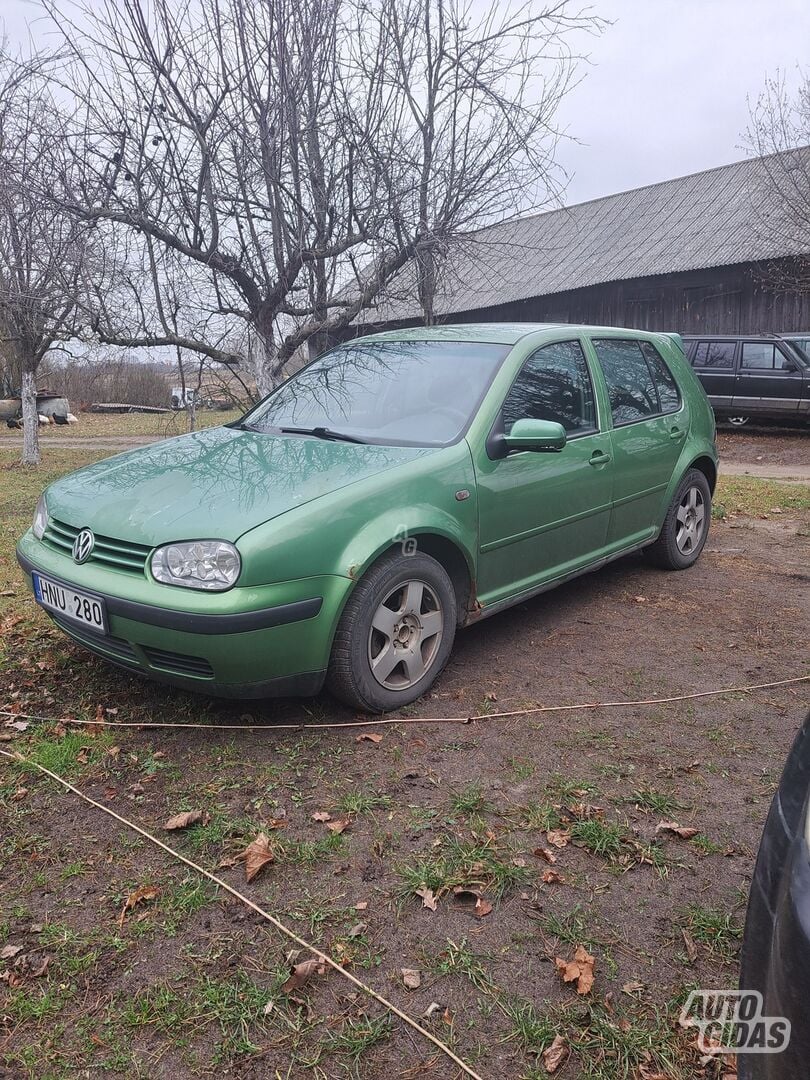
(108, 647)
(116, 554)
(177, 663)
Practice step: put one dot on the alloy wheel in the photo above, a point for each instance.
(405, 635)
(690, 518)
(738, 421)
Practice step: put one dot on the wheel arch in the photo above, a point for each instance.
(705, 465)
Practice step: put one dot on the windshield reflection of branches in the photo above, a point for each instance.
(404, 391)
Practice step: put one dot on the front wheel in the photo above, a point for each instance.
(738, 421)
(395, 634)
(686, 525)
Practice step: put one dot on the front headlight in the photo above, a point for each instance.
(198, 564)
(40, 522)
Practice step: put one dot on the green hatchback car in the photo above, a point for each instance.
(397, 488)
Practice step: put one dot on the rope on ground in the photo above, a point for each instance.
(301, 942)
(385, 720)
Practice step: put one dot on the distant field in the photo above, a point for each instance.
(91, 424)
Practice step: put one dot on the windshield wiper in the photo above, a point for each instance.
(321, 433)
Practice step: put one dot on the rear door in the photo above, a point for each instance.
(650, 424)
(714, 365)
(769, 379)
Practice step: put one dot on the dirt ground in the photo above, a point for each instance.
(764, 445)
(189, 983)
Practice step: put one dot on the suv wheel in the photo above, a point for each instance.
(738, 421)
(686, 525)
(395, 634)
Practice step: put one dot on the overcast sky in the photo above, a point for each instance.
(666, 92)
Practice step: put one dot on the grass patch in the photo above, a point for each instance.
(461, 960)
(655, 802)
(754, 497)
(471, 863)
(470, 800)
(715, 930)
(604, 838)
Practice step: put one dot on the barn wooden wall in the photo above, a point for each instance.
(724, 300)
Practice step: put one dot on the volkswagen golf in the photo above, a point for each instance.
(397, 488)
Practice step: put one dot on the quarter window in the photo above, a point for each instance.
(630, 385)
(714, 354)
(554, 384)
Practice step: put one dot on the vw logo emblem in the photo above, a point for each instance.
(83, 546)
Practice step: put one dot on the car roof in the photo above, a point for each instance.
(495, 332)
(734, 337)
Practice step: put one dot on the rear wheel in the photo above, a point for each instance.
(738, 421)
(686, 525)
(395, 634)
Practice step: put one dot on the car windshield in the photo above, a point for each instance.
(402, 393)
(802, 347)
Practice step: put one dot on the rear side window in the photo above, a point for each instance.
(714, 354)
(668, 396)
(554, 384)
(630, 385)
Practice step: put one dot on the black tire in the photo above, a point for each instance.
(350, 676)
(670, 550)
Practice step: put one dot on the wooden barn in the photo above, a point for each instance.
(709, 252)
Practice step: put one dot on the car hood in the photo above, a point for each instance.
(217, 483)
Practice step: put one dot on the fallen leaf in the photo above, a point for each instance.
(471, 898)
(190, 817)
(580, 969)
(300, 974)
(558, 837)
(411, 978)
(9, 951)
(256, 855)
(482, 907)
(428, 899)
(691, 947)
(685, 832)
(20, 793)
(447, 1016)
(369, 736)
(633, 987)
(141, 894)
(339, 825)
(361, 905)
(553, 877)
(321, 815)
(40, 969)
(357, 930)
(555, 1055)
(545, 853)
(431, 1010)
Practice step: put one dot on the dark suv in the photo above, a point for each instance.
(754, 376)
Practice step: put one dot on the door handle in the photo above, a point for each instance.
(676, 434)
(599, 457)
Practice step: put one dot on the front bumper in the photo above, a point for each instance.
(266, 641)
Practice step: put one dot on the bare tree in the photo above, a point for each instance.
(779, 133)
(43, 249)
(276, 163)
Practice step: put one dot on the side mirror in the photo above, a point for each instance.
(789, 364)
(541, 436)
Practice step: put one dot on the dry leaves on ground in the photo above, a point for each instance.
(411, 978)
(555, 1055)
(558, 837)
(369, 736)
(190, 817)
(257, 855)
(339, 825)
(138, 896)
(685, 832)
(471, 898)
(428, 899)
(300, 974)
(579, 970)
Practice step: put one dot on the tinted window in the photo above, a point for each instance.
(714, 354)
(668, 398)
(406, 393)
(630, 387)
(760, 354)
(554, 384)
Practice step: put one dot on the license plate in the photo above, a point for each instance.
(64, 600)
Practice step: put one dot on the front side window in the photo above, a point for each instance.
(760, 354)
(714, 354)
(397, 393)
(630, 385)
(554, 384)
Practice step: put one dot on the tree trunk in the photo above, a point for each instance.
(266, 361)
(30, 454)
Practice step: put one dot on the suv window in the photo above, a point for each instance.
(630, 384)
(762, 355)
(714, 354)
(554, 384)
(668, 397)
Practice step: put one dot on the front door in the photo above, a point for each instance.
(768, 380)
(544, 515)
(650, 424)
(713, 362)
